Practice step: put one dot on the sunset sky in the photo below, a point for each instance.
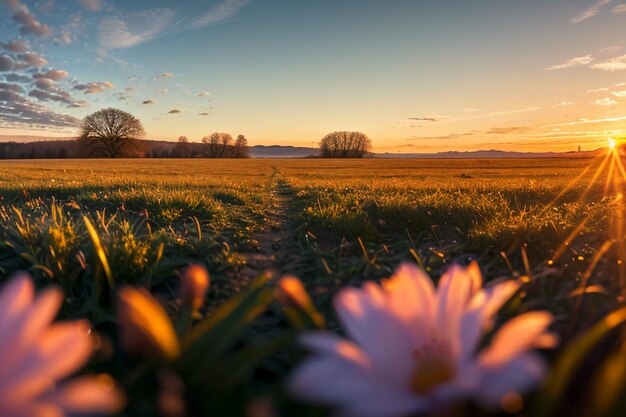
(416, 76)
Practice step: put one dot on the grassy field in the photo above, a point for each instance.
(332, 223)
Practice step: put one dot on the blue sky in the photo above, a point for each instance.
(413, 75)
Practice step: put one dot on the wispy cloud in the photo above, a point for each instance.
(203, 94)
(163, 76)
(94, 87)
(590, 12)
(563, 104)
(92, 5)
(619, 93)
(131, 29)
(507, 130)
(28, 25)
(589, 121)
(605, 102)
(427, 119)
(574, 62)
(501, 113)
(149, 101)
(620, 8)
(224, 11)
(614, 64)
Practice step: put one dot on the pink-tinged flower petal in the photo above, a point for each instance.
(26, 329)
(453, 296)
(473, 273)
(470, 333)
(515, 337)
(492, 299)
(62, 350)
(31, 410)
(411, 296)
(479, 317)
(389, 407)
(88, 395)
(520, 374)
(342, 382)
(390, 345)
(15, 297)
(328, 344)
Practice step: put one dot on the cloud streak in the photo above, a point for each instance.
(131, 29)
(614, 64)
(590, 12)
(574, 62)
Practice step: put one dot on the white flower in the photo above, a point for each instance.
(416, 347)
(35, 355)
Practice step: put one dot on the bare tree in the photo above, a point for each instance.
(181, 149)
(111, 132)
(345, 145)
(241, 148)
(217, 145)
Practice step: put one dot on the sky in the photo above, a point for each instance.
(414, 75)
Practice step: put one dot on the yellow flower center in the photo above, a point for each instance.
(434, 367)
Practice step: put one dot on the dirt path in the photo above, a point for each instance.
(276, 238)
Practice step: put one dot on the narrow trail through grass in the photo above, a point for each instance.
(273, 243)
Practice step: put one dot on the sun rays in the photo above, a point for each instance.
(606, 183)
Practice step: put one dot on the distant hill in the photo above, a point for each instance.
(278, 151)
(492, 154)
(32, 146)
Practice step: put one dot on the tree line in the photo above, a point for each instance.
(113, 133)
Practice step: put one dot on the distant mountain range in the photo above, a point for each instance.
(282, 151)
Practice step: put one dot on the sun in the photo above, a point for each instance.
(612, 143)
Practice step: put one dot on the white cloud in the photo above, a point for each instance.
(614, 64)
(94, 87)
(620, 8)
(619, 93)
(574, 62)
(224, 11)
(63, 38)
(563, 104)
(163, 76)
(590, 12)
(605, 102)
(16, 45)
(589, 121)
(130, 29)
(54, 75)
(598, 90)
(133, 28)
(92, 5)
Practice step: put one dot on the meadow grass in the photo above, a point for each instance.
(92, 225)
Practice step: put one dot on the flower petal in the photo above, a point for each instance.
(520, 374)
(515, 337)
(15, 297)
(411, 296)
(20, 336)
(88, 395)
(61, 351)
(368, 320)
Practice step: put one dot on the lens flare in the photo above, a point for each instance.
(612, 143)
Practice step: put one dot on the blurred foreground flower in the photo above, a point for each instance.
(146, 328)
(194, 286)
(415, 347)
(35, 355)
